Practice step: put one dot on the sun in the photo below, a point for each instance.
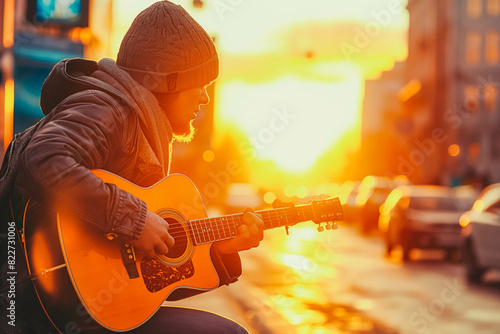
(292, 120)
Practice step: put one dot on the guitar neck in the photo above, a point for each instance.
(209, 230)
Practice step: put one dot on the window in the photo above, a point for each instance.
(491, 47)
(471, 98)
(474, 8)
(493, 7)
(474, 151)
(490, 97)
(473, 48)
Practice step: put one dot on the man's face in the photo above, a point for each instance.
(181, 109)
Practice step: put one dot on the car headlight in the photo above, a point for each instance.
(464, 220)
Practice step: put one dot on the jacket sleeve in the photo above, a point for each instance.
(81, 134)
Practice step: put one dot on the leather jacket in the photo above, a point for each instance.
(97, 117)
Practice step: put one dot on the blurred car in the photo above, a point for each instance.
(349, 206)
(422, 216)
(481, 234)
(372, 193)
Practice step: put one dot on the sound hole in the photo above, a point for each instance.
(177, 231)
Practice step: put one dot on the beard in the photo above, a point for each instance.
(184, 135)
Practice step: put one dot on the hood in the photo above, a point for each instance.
(67, 77)
(74, 75)
(71, 76)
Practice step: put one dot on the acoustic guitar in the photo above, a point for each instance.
(84, 280)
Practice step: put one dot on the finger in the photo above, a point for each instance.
(249, 209)
(254, 229)
(256, 225)
(243, 232)
(250, 217)
(260, 224)
(161, 248)
(164, 235)
(170, 241)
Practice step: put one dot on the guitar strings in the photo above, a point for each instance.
(178, 231)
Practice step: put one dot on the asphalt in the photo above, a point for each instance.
(242, 303)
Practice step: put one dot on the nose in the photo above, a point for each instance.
(204, 98)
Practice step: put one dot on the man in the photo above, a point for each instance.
(122, 117)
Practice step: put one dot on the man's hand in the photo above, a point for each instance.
(154, 238)
(249, 234)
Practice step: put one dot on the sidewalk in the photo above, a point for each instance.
(242, 303)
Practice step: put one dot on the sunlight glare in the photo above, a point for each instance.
(293, 120)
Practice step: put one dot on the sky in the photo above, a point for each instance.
(306, 60)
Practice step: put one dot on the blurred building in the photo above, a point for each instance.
(452, 83)
(379, 103)
(384, 126)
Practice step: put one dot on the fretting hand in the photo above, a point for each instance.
(250, 233)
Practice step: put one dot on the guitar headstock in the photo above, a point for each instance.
(326, 210)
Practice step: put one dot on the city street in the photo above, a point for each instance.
(340, 282)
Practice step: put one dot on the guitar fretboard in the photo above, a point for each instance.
(209, 230)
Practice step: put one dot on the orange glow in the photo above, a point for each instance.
(293, 120)
(478, 205)
(493, 7)
(269, 197)
(8, 130)
(42, 260)
(290, 190)
(8, 23)
(364, 190)
(410, 89)
(454, 150)
(464, 220)
(74, 34)
(302, 192)
(208, 156)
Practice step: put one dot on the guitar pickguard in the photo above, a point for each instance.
(158, 276)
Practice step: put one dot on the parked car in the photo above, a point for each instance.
(481, 234)
(349, 206)
(372, 193)
(422, 216)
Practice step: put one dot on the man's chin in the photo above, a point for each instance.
(186, 136)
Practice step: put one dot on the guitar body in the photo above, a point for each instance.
(67, 254)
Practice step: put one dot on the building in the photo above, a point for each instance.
(451, 93)
(379, 102)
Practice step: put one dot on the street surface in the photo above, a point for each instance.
(341, 282)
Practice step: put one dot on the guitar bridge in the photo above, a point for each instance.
(128, 258)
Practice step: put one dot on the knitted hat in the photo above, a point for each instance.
(166, 50)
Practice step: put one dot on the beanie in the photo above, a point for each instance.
(166, 50)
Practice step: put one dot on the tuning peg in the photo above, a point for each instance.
(328, 226)
(334, 225)
(320, 228)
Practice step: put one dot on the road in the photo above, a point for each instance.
(341, 282)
